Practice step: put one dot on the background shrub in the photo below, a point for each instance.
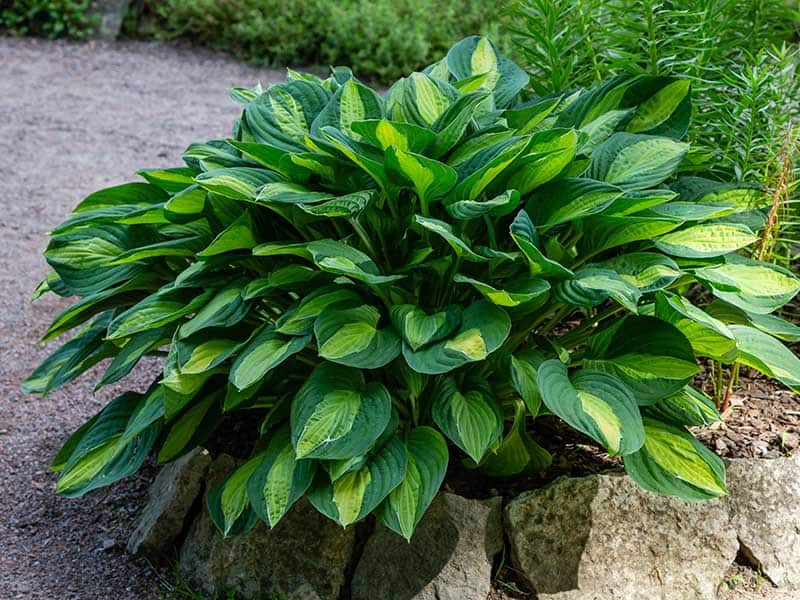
(378, 39)
(47, 18)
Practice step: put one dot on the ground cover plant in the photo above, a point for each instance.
(391, 282)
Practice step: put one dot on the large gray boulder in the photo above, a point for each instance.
(602, 536)
(449, 557)
(305, 557)
(172, 495)
(765, 512)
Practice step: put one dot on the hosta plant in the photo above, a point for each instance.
(389, 282)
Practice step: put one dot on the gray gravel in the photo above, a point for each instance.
(75, 118)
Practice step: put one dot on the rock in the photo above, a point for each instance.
(304, 558)
(172, 495)
(765, 512)
(449, 557)
(602, 536)
(109, 15)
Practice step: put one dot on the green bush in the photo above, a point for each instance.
(46, 18)
(373, 277)
(379, 39)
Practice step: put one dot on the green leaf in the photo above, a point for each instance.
(706, 240)
(425, 99)
(484, 327)
(165, 306)
(569, 199)
(357, 493)
(598, 404)
(445, 231)
(484, 168)
(764, 353)
(689, 407)
(394, 134)
(592, 286)
(191, 428)
(300, 320)
(518, 453)
(524, 368)
(129, 355)
(659, 107)
(418, 328)
(238, 183)
(336, 415)
(526, 238)
(673, 462)
(652, 357)
(753, 286)
(471, 419)
(514, 293)
(430, 178)
(279, 479)
(634, 161)
(499, 206)
(707, 335)
(339, 258)
(228, 503)
(264, 352)
(548, 153)
(239, 235)
(352, 102)
(648, 271)
(426, 452)
(225, 309)
(351, 337)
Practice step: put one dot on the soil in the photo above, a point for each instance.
(78, 117)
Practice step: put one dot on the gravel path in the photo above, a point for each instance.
(75, 118)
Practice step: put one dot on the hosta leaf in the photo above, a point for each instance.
(548, 153)
(366, 157)
(445, 230)
(570, 198)
(191, 428)
(110, 448)
(348, 206)
(517, 453)
(648, 271)
(673, 462)
(451, 124)
(337, 257)
(637, 202)
(690, 211)
(84, 350)
(263, 353)
(635, 162)
(426, 98)
(481, 170)
(707, 191)
(161, 308)
(172, 180)
(239, 235)
(471, 419)
(394, 134)
(134, 349)
(290, 276)
(498, 206)
(282, 115)
(228, 503)
(771, 324)
(598, 404)
(592, 286)
(750, 285)
(357, 493)
(526, 238)
(279, 479)
(528, 115)
(656, 109)
(708, 336)
(689, 407)
(427, 456)
(601, 128)
(514, 293)
(238, 183)
(225, 309)
(652, 357)
(352, 337)
(523, 377)
(706, 240)
(353, 101)
(419, 328)
(336, 415)
(605, 232)
(300, 320)
(291, 193)
(128, 194)
(484, 327)
(430, 178)
(764, 353)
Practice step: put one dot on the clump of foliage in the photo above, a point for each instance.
(384, 280)
(47, 18)
(379, 39)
